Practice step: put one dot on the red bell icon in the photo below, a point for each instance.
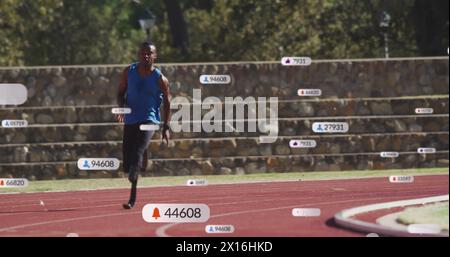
(156, 213)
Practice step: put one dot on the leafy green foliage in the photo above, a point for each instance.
(56, 32)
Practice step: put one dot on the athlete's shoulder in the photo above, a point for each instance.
(129, 67)
(158, 71)
(132, 66)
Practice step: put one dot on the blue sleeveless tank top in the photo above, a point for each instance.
(143, 96)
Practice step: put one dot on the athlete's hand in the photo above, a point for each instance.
(166, 134)
(120, 118)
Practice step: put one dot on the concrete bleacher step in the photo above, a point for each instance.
(235, 165)
(288, 108)
(223, 147)
(287, 127)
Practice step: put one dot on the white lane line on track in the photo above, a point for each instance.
(182, 188)
(111, 215)
(89, 217)
(209, 199)
(110, 199)
(159, 200)
(66, 220)
(346, 218)
(107, 205)
(161, 231)
(173, 201)
(93, 217)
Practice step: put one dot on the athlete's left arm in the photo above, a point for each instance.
(164, 85)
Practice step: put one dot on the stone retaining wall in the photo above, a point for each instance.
(97, 85)
(68, 110)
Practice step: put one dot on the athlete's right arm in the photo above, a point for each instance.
(121, 94)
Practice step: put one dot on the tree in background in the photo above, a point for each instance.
(177, 26)
(85, 32)
(431, 26)
(56, 32)
(9, 54)
(252, 30)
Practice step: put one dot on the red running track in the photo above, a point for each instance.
(254, 209)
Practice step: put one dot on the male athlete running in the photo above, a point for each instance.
(142, 89)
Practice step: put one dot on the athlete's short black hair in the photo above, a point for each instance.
(147, 45)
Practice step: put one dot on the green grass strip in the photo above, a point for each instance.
(431, 214)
